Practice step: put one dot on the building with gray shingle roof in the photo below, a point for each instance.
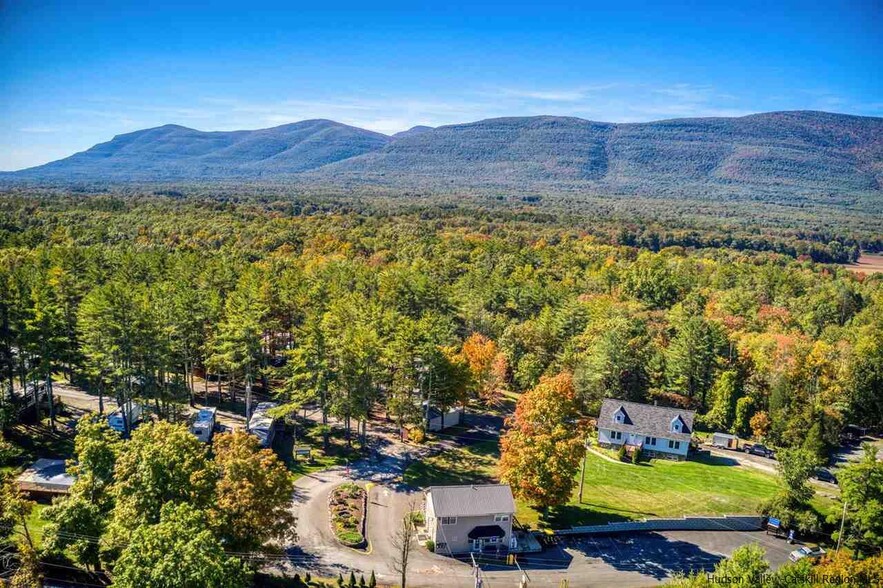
(46, 476)
(476, 518)
(658, 431)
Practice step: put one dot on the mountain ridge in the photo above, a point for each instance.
(788, 151)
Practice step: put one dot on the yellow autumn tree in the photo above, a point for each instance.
(487, 365)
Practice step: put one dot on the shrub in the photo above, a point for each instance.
(620, 453)
(636, 455)
(417, 435)
(417, 518)
(351, 538)
(8, 451)
(430, 545)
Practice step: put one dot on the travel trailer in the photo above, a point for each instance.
(262, 425)
(203, 425)
(117, 422)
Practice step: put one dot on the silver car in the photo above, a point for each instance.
(806, 551)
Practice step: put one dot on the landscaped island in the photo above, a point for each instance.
(346, 505)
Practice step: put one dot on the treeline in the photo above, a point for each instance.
(821, 231)
(351, 310)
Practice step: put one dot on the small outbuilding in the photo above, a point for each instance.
(439, 421)
(46, 476)
(725, 441)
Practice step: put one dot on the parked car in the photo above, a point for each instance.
(825, 475)
(813, 553)
(758, 449)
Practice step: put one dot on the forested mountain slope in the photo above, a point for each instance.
(774, 156)
(174, 152)
(807, 151)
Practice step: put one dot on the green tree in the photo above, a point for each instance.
(238, 345)
(616, 364)
(163, 463)
(253, 496)
(691, 359)
(791, 504)
(75, 520)
(861, 485)
(724, 395)
(179, 551)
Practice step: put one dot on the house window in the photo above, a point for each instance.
(501, 518)
(674, 444)
(619, 418)
(616, 435)
(449, 520)
(494, 539)
(649, 440)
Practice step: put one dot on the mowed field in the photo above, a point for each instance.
(615, 491)
(868, 263)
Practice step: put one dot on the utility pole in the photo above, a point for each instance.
(582, 476)
(842, 522)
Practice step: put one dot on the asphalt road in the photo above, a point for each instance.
(628, 560)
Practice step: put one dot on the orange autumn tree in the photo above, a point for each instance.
(487, 365)
(542, 448)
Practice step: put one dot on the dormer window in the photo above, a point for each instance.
(676, 425)
(619, 416)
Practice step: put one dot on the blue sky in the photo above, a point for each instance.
(73, 74)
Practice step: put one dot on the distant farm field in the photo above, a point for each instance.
(868, 263)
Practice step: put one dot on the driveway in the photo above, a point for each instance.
(628, 560)
(745, 459)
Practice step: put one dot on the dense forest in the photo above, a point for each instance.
(365, 308)
(132, 296)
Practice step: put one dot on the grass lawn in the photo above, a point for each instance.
(473, 464)
(36, 523)
(616, 491)
(659, 488)
(310, 436)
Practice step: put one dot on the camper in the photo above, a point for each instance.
(203, 425)
(117, 422)
(262, 425)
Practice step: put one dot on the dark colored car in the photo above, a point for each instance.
(825, 475)
(758, 449)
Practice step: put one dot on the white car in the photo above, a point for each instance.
(806, 551)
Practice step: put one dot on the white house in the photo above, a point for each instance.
(658, 431)
(476, 518)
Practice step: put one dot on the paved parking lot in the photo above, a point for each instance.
(639, 559)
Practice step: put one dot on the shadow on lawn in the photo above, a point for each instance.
(714, 460)
(571, 515)
(650, 554)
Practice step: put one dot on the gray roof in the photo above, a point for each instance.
(46, 474)
(471, 501)
(646, 419)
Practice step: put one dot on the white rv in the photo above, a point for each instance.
(203, 425)
(116, 420)
(262, 425)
